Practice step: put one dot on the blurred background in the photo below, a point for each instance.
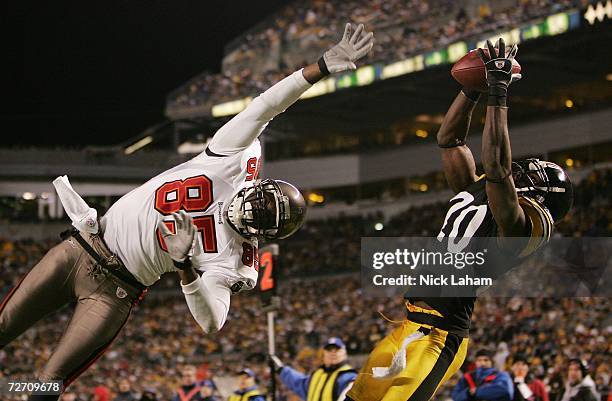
(361, 146)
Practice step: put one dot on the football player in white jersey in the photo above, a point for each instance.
(205, 215)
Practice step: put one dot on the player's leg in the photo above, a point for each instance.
(46, 288)
(97, 320)
(366, 387)
(429, 362)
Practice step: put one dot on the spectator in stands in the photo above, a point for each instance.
(190, 388)
(68, 396)
(101, 393)
(579, 385)
(485, 383)
(149, 394)
(526, 387)
(125, 391)
(331, 381)
(247, 388)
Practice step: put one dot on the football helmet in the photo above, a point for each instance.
(545, 182)
(269, 210)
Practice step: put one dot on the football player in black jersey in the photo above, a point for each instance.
(519, 199)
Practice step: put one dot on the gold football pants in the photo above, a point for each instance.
(430, 361)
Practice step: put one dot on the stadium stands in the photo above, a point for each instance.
(301, 31)
(162, 335)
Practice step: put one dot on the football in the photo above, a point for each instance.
(469, 71)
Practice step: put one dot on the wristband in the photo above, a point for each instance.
(185, 264)
(323, 66)
(498, 95)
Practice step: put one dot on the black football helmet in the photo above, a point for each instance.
(270, 210)
(545, 182)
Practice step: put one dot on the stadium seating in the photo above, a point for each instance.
(162, 336)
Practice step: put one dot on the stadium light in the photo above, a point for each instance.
(421, 133)
(141, 143)
(28, 196)
(379, 226)
(569, 103)
(609, 77)
(316, 198)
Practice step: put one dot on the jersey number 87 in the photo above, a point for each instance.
(193, 194)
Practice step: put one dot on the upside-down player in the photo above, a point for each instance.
(513, 199)
(204, 215)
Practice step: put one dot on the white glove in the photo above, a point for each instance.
(180, 244)
(352, 47)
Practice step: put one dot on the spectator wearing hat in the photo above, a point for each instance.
(330, 382)
(579, 385)
(526, 386)
(247, 388)
(484, 383)
(190, 388)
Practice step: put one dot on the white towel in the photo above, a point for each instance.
(399, 359)
(83, 217)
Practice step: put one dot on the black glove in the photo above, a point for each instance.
(498, 69)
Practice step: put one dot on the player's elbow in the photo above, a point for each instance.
(211, 326)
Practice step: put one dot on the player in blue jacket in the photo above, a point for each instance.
(330, 382)
(485, 383)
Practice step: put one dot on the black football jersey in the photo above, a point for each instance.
(469, 226)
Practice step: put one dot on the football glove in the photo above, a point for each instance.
(180, 244)
(498, 70)
(355, 44)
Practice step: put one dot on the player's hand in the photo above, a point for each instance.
(355, 44)
(180, 244)
(498, 64)
(498, 67)
(277, 362)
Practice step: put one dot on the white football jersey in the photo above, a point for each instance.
(202, 187)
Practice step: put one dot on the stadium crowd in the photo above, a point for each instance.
(298, 33)
(161, 336)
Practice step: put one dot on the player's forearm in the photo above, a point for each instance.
(312, 73)
(208, 302)
(456, 123)
(188, 275)
(496, 154)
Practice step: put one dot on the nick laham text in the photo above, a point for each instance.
(430, 280)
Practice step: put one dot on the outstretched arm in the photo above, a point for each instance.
(496, 154)
(457, 159)
(240, 132)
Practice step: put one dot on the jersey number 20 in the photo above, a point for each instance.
(193, 194)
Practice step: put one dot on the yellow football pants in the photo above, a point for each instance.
(430, 361)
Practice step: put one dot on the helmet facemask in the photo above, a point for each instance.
(259, 211)
(545, 182)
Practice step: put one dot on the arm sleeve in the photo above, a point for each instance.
(499, 389)
(208, 299)
(240, 132)
(296, 381)
(344, 383)
(460, 391)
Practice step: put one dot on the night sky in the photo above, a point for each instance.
(79, 73)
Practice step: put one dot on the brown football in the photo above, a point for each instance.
(469, 71)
